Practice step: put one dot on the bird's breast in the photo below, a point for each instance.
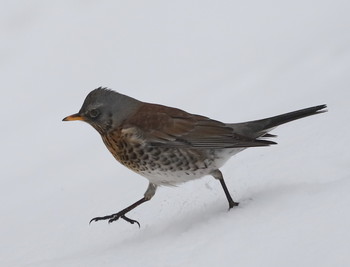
(161, 165)
(165, 165)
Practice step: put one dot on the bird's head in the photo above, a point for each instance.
(105, 109)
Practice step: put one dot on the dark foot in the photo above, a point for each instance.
(121, 214)
(114, 217)
(233, 204)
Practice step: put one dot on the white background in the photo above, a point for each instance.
(229, 60)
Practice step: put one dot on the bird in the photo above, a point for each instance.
(170, 146)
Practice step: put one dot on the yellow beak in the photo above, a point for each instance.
(74, 117)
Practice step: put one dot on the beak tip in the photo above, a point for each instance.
(74, 117)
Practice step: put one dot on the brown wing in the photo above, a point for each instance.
(171, 127)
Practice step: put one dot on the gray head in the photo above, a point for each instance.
(105, 109)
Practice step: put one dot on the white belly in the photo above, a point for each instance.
(173, 176)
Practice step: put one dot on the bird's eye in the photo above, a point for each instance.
(94, 113)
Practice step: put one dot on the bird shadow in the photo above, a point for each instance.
(192, 220)
(197, 219)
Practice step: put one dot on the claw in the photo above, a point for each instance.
(233, 204)
(115, 217)
(130, 220)
(121, 214)
(96, 219)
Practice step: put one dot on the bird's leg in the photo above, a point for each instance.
(218, 175)
(151, 190)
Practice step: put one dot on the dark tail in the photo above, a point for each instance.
(254, 129)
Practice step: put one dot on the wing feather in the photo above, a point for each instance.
(171, 127)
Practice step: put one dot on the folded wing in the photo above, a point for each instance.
(171, 127)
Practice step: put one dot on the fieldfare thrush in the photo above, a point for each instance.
(169, 146)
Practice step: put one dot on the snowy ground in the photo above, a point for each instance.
(229, 60)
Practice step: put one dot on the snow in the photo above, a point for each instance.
(232, 61)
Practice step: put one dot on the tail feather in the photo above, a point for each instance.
(260, 128)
